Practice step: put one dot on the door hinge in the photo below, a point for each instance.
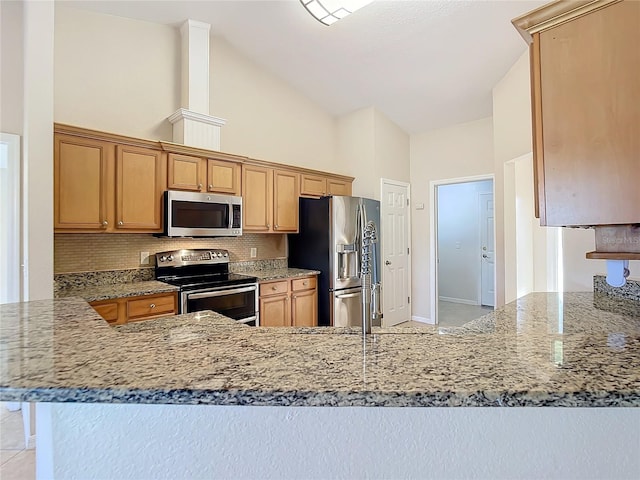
(408, 299)
(407, 250)
(407, 201)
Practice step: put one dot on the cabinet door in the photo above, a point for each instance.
(274, 311)
(338, 187)
(108, 309)
(83, 184)
(304, 308)
(313, 185)
(257, 199)
(285, 201)
(185, 173)
(589, 71)
(223, 177)
(140, 180)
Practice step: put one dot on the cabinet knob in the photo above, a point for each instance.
(210, 187)
(273, 288)
(268, 226)
(105, 223)
(294, 297)
(120, 222)
(153, 305)
(305, 283)
(277, 225)
(199, 186)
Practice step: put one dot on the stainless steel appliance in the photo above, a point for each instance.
(339, 236)
(191, 214)
(206, 284)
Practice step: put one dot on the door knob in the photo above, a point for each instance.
(484, 255)
(387, 262)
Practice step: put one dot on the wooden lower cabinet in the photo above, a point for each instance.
(289, 302)
(119, 311)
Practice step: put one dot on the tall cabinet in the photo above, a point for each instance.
(585, 85)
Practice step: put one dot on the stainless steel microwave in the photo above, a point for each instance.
(189, 214)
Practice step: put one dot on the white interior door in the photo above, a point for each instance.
(488, 254)
(396, 271)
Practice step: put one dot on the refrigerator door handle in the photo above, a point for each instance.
(349, 295)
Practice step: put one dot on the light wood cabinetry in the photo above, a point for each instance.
(186, 172)
(102, 186)
(83, 175)
(140, 181)
(270, 199)
(289, 302)
(585, 66)
(132, 309)
(312, 185)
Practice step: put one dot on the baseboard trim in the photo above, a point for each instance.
(416, 318)
(458, 300)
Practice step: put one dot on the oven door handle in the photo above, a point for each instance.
(222, 293)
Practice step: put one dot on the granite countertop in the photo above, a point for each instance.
(542, 350)
(92, 293)
(280, 273)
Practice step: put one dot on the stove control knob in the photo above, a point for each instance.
(219, 254)
(170, 258)
(163, 258)
(226, 254)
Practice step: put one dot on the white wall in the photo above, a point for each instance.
(101, 82)
(191, 441)
(11, 73)
(371, 147)
(454, 152)
(459, 240)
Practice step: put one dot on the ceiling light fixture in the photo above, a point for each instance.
(330, 11)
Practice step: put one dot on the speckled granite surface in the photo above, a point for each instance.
(542, 350)
(279, 273)
(92, 293)
(65, 281)
(253, 265)
(630, 290)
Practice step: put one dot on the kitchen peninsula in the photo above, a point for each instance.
(544, 350)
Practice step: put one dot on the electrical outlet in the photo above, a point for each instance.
(254, 252)
(144, 258)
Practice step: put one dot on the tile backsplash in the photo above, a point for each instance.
(91, 252)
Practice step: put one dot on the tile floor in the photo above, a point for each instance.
(16, 462)
(457, 314)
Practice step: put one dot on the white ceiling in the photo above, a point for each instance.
(425, 64)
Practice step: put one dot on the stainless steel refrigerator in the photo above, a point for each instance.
(334, 232)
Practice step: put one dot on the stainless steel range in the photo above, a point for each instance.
(206, 284)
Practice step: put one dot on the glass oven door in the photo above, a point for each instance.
(238, 302)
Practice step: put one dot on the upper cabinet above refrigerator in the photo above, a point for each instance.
(585, 85)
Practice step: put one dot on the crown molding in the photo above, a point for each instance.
(184, 114)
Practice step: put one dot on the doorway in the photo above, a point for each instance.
(396, 254)
(463, 267)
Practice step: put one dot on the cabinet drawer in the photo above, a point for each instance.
(151, 306)
(303, 283)
(108, 311)
(274, 288)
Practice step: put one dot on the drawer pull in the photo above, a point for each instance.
(153, 305)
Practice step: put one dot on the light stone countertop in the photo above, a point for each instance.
(576, 349)
(280, 273)
(92, 293)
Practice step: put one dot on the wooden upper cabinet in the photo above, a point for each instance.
(585, 71)
(223, 177)
(83, 184)
(338, 187)
(270, 199)
(257, 198)
(285, 201)
(140, 180)
(312, 185)
(197, 174)
(185, 173)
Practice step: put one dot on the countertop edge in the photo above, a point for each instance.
(602, 399)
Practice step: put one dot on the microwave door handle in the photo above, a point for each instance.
(230, 226)
(222, 293)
